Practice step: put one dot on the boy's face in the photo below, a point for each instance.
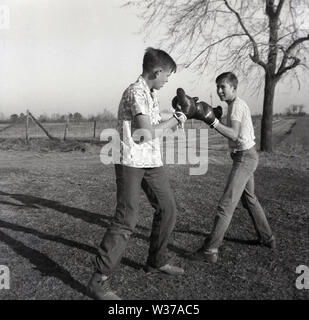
(226, 91)
(161, 79)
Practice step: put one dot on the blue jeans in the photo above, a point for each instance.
(240, 186)
(130, 181)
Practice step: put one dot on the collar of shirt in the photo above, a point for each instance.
(144, 85)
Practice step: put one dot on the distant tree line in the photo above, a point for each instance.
(296, 110)
(106, 115)
(76, 117)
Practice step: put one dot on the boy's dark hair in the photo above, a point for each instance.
(154, 58)
(230, 77)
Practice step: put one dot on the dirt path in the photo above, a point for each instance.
(299, 136)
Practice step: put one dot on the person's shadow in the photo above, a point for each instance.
(87, 216)
(102, 220)
(42, 262)
(46, 265)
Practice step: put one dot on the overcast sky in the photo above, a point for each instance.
(61, 56)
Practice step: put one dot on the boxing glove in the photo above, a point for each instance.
(184, 103)
(218, 112)
(206, 113)
(194, 109)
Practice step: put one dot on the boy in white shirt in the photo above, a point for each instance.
(240, 185)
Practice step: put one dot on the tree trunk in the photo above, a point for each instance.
(267, 118)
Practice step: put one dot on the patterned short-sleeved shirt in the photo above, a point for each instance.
(138, 99)
(239, 111)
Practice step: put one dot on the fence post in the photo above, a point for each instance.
(66, 128)
(38, 123)
(27, 126)
(94, 128)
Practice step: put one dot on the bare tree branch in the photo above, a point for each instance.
(212, 45)
(283, 67)
(279, 7)
(255, 57)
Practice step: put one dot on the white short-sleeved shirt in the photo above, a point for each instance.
(138, 99)
(239, 111)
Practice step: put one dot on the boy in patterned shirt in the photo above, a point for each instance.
(240, 185)
(140, 167)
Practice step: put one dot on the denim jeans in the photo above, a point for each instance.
(130, 181)
(240, 186)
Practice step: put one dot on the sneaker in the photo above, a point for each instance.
(167, 269)
(203, 255)
(98, 288)
(271, 243)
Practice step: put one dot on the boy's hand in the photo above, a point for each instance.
(181, 118)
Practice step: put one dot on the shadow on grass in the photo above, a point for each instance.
(103, 221)
(50, 268)
(18, 205)
(66, 242)
(184, 253)
(253, 242)
(89, 217)
(43, 263)
(32, 202)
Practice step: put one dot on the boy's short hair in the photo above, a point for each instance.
(230, 77)
(154, 58)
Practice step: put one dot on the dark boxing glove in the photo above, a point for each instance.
(218, 112)
(185, 104)
(194, 109)
(206, 113)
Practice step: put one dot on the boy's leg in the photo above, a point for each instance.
(244, 165)
(115, 240)
(251, 203)
(161, 197)
(235, 186)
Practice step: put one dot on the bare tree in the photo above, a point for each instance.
(295, 109)
(14, 118)
(77, 117)
(301, 108)
(262, 38)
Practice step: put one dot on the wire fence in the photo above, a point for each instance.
(32, 128)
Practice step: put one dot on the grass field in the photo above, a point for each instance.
(55, 207)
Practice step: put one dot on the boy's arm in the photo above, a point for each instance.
(232, 132)
(142, 121)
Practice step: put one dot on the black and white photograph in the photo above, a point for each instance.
(154, 152)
